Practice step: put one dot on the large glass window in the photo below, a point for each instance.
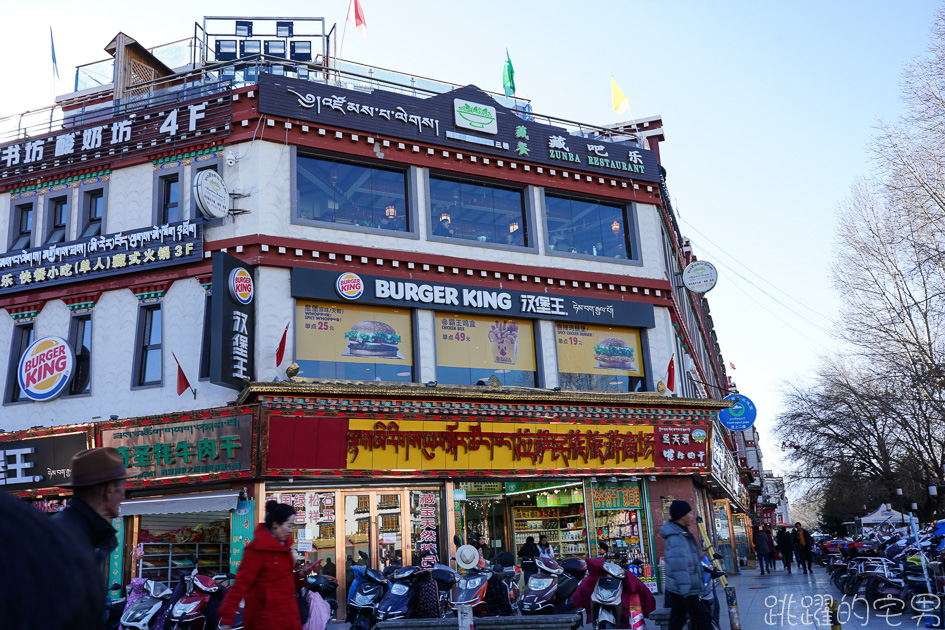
(21, 339)
(470, 349)
(353, 342)
(148, 356)
(80, 336)
(22, 226)
(599, 358)
(350, 194)
(586, 227)
(477, 212)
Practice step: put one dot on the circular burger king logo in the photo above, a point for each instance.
(241, 286)
(45, 368)
(350, 286)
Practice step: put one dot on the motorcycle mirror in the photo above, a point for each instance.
(115, 587)
(363, 555)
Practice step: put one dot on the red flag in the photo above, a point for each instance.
(182, 383)
(356, 17)
(671, 377)
(280, 351)
(731, 365)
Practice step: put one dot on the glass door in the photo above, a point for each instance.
(390, 539)
(358, 535)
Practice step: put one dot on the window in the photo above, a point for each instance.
(93, 212)
(477, 212)
(351, 194)
(170, 211)
(21, 339)
(149, 368)
(586, 227)
(57, 221)
(80, 338)
(22, 225)
(472, 348)
(205, 342)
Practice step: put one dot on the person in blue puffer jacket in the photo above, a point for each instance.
(684, 573)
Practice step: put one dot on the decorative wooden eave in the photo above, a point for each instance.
(26, 310)
(85, 300)
(151, 289)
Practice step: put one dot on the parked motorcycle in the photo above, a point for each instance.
(479, 578)
(145, 612)
(549, 590)
(367, 590)
(113, 609)
(199, 607)
(400, 600)
(606, 598)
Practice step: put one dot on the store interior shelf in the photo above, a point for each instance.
(168, 558)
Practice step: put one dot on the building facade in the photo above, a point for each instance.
(418, 312)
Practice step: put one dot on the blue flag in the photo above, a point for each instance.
(52, 43)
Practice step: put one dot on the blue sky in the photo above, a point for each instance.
(768, 109)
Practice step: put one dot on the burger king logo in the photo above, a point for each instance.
(241, 286)
(45, 368)
(349, 286)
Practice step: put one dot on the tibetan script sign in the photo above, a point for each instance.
(199, 446)
(99, 256)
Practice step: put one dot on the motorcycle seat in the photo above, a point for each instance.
(567, 588)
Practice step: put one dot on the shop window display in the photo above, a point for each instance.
(167, 541)
(352, 342)
(477, 212)
(599, 358)
(584, 227)
(470, 348)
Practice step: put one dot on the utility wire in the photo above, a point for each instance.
(722, 249)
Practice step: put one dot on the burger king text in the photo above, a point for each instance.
(439, 294)
(45, 364)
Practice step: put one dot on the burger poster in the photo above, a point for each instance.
(484, 343)
(330, 331)
(587, 349)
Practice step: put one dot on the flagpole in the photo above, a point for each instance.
(191, 388)
(345, 29)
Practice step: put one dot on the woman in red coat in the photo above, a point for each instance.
(266, 579)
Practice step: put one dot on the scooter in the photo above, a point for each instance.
(445, 578)
(367, 589)
(549, 591)
(606, 598)
(113, 609)
(400, 600)
(194, 611)
(145, 610)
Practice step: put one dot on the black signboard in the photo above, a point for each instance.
(42, 462)
(318, 284)
(465, 119)
(233, 322)
(100, 256)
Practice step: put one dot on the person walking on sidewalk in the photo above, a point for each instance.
(760, 538)
(683, 569)
(786, 547)
(803, 545)
(772, 549)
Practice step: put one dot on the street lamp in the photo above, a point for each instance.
(902, 517)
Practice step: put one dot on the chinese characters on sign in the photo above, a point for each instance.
(426, 509)
(680, 447)
(176, 449)
(41, 462)
(613, 497)
(124, 252)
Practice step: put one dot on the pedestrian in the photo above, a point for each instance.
(772, 554)
(528, 553)
(785, 547)
(482, 546)
(684, 573)
(545, 550)
(760, 539)
(266, 579)
(803, 546)
(49, 580)
(98, 488)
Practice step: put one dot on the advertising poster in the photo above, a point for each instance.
(484, 343)
(347, 333)
(587, 349)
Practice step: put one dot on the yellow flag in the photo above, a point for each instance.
(621, 103)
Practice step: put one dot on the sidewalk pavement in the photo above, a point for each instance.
(794, 600)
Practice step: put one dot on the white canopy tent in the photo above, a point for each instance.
(882, 513)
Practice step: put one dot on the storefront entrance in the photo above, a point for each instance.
(390, 526)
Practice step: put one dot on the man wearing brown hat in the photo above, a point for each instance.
(98, 487)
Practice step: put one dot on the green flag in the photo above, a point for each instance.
(508, 76)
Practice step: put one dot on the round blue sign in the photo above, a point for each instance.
(740, 415)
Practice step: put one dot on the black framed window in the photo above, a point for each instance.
(93, 212)
(149, 364)
(330, 191)
(20, 340)
(170, 211)
(58, 221)
(205, 341)
(80, 338)
(585, 227)
(22, 226)
(478, 212)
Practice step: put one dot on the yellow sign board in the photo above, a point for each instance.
(587, 349)
(478, 342)
(331, 331)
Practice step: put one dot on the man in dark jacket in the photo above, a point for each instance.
(98, 487)
(803, 545)
(528, 553)
(786, 547)
(684, 573)
(760, 538)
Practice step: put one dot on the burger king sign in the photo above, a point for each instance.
(241, 286)
(46, 368)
